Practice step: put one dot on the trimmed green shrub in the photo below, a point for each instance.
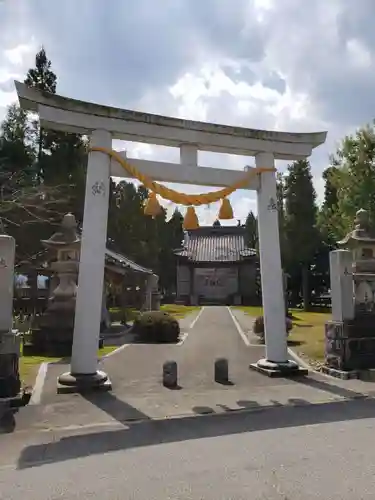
(258, 326)
(156, 326)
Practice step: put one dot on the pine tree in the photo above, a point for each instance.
(330, 188)
(16, 151)
(172, 237)
(300, 221)
(61, 157)
(42, 77)
(60, 154)
(251, 231)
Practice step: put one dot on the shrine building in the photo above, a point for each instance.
(215, 266)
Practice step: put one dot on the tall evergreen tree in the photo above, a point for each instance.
(328, 219)
(16, 150)
(300, 221)
(61, 157)
(170, 240)
(330, 187)
(60, 154)
(42, 78)
(251, 230)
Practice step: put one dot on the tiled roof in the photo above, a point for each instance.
(122, 261)
(216, 244)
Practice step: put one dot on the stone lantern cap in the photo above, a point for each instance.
(361, 233)
(67, 235)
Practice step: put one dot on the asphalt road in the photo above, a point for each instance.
(315, 452)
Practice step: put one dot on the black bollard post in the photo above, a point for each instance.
(170, 374)
(221, 371)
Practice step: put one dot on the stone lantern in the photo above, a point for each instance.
(350, 335)
(361, 243)
(54, 331)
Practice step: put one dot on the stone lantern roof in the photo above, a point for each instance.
(67, 236)
(361, 233)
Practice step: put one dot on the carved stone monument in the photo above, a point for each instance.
(152, 295)
(10, 384)
(350, 335)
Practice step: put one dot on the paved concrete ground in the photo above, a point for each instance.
(138, 393)
(315, 452)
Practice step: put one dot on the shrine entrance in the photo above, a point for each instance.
(214, 285)
(103, 124)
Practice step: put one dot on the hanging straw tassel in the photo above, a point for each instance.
(152, 206)
(226, 211)
(191, 219)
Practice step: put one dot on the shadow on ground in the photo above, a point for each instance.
(116, 408)
(294, 343)
(140, 430)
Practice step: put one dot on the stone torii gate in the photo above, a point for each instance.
(103, 124)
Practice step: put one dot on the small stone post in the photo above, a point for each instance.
(170, 374)
(221, 371)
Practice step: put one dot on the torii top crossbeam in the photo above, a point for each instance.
(72, 115)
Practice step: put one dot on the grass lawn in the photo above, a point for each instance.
(178, 311)
(307, 336)
(29, 365)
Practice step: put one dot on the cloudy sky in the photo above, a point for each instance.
(290, 65)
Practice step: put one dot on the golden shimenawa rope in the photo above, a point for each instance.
(175, 196)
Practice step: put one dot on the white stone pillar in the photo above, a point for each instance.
(342, 290)
(7, 253)
(91, 269)
(270, 264)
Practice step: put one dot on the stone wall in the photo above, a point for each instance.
(183, 282)
(247, 283)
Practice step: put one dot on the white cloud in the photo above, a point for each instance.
(265, 64)
(359, 55)
(14, 63)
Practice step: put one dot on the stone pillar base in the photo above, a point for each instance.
(194, 300)
(283, 369)
(237, 300)
(78, 383)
